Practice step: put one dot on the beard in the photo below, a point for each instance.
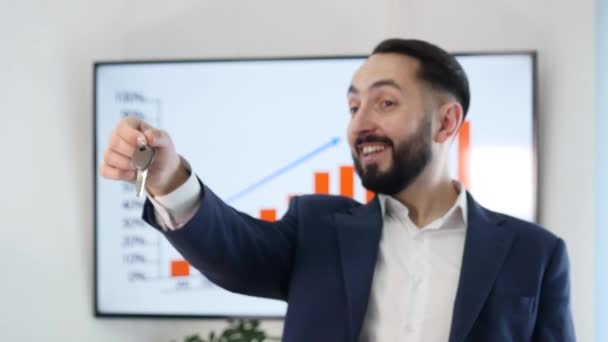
(409, 158)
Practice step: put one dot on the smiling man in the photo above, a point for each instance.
(423, 261)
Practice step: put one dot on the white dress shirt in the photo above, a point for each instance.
(416, 274)
(175, 209)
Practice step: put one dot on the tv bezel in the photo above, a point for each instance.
(532, 54)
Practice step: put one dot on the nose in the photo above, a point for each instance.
(363, 123)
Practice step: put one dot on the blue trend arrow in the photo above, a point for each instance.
(333, 142)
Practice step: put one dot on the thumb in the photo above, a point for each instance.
(157, 138)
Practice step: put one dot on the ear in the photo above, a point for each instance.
(450, 118)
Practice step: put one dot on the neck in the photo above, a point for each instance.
(429, 197)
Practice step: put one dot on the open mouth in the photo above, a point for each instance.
(371, 152)
(368, 149)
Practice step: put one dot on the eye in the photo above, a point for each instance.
(387, 103)
(353, 110)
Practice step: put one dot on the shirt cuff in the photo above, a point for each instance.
(175, 209)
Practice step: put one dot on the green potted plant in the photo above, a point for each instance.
(240, 330)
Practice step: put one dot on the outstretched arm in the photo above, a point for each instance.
(234, 250)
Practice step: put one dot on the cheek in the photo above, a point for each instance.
(350, 136)
(400, 126)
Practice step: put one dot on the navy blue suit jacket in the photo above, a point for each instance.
(320, 258)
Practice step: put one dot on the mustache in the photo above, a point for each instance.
(373, 138)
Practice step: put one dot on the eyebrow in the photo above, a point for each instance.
(381, 83)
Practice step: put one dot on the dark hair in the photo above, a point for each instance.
(437, 67)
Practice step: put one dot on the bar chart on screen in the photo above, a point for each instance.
(343, 175)
(149, 260)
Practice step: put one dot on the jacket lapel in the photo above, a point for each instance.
(358, 232)
(486, 247)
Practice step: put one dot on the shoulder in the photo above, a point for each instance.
(529, 234)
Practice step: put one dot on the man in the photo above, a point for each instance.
(423, 261)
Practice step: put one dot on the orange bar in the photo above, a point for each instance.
(322, 183)
(464, 154)
(369, 195)
(180, 268)
(347, 181)
(268, 215)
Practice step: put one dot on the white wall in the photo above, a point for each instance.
(601, 170)
(46, 120)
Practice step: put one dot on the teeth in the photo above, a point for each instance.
(371, 149)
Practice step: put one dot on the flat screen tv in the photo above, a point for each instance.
(258, 131)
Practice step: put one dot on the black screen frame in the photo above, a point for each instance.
(96, 65)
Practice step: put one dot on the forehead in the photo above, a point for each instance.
(387, 66)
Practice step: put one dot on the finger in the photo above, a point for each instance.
(133, 122)
(144, 126)
(157, 138)
(130, 129)
(117, 160)
(117, 174)
(118, 145)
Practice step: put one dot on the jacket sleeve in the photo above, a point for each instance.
(554, 320)
(234, 250)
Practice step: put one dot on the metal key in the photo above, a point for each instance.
(142, 158)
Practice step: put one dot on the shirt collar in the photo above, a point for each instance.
(457, 212)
